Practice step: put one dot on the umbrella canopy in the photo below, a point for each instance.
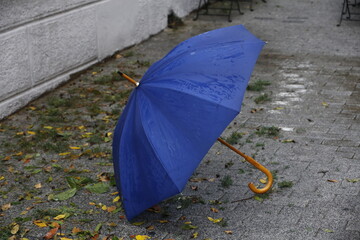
(177, 111)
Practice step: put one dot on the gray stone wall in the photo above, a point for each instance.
(43, 42)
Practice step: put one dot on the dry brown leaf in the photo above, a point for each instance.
(50, 234)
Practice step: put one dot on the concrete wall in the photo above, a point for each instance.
(42, 42)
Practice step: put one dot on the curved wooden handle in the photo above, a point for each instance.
(252, 161)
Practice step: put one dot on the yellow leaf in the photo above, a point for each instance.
(332, 180)
(20, 133)
(195, 235)
(138, 223)
(32, 108)
(48, 127)
(214, 210)
(6, 206)
(38, 185)
(116, 199)
(325, 104)
(92, 203)
(18, 154)
(40, 223)
(15, 229)
(214, 220)
(75, 148)
(104, 207)
(64, 153)
(263, 180)
(94, 73)
(24, 212)
(24, 239)
(59, 217)
(31, 132)
(228, 232)
(65, 238)
(142, 237)
(2, 178)
(163, 221)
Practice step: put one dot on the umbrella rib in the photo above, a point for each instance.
(218, 103)
(154, 149)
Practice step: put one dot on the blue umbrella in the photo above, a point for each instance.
(177, 111)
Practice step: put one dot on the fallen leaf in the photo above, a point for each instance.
(288, 141)
(15, 228)
(38, 185)
(188, 227)
(31, 133)
(257, 198)
(163, 221)
(111, 209)
(195, 235)
(98, 227)
(65, 238)
(64, 153)
(197, 179)
(75, 230)
(2, 178)
(74, 148)
(325, 104)
(228, 232)
(101, 187)
(116, 199)
(48, 127)
(40, 223)
(328, 230)
(50, 234)
(59, 217)
(32, 108)
(138, 223)
(332, 180)
(263, 180)
(112, 224)
(6, 206)
(24, 212)
(214, 210)
(214, 220)
(354, 180)
(63, 195)
(142, 237)
(18, 154)
(150, 228)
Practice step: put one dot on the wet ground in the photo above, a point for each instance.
(300, 118)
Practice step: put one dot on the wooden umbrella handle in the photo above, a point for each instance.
(252, 161)
(128, 78)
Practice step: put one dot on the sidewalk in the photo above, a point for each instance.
(305, 129)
